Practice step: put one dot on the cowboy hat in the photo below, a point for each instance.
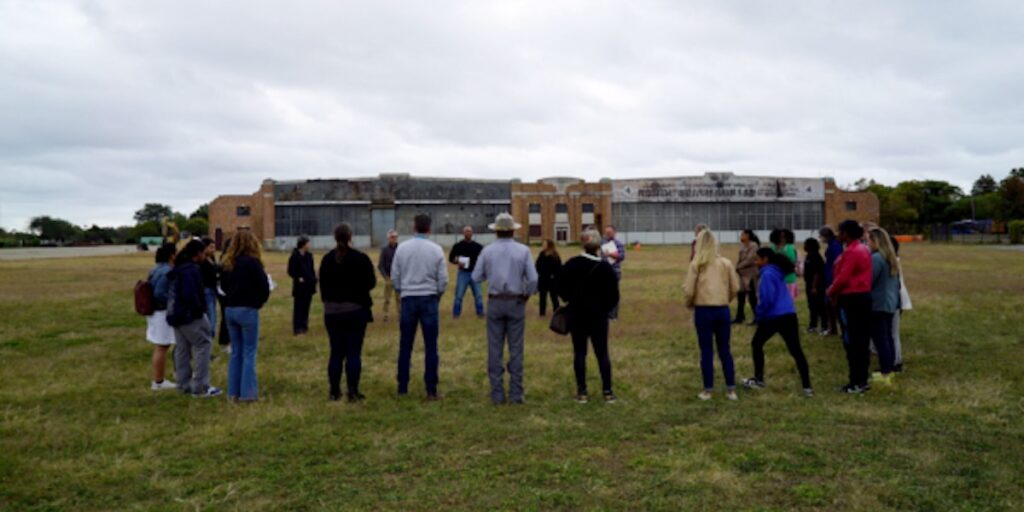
(504, 222)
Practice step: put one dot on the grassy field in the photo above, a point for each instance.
(80, 429)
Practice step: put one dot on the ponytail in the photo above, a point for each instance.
(343, 237)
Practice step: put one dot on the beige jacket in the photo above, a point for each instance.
(746, 265)
(714, 285)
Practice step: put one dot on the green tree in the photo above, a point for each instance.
(1011, 194)
(148, 228)
(51, 228)
(153, 212)
(203, 212)
(985, 184)
(196, 226)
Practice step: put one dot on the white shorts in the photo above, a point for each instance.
(158, 332)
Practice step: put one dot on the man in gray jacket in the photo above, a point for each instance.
(508, 268)
(420, 275)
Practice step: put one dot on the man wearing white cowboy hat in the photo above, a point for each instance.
(507, 266)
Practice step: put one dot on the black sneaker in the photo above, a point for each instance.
(753, 383)
(854, 389)
(335, 397)
(609, 398)
(355, 397)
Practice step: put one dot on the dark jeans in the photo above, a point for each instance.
(855, 316)
(881, 334)
(743, 297)
(300, 314)
(816, 307)
(789, 328)
(420, 311)
(346, 332)
(596, 329)
(714, 329)
(545, 290)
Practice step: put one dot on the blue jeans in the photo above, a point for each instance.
(211, 309)
(714, 328)
(420, 311)
(464, 279)
(244, 329)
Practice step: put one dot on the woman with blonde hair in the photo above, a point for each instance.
(246, 288)
(711, 284)
(885, 300)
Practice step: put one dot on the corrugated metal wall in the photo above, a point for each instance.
(682, 217)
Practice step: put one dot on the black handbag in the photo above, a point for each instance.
(560, 321)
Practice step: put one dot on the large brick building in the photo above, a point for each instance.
(647, 210)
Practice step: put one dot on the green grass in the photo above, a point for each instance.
(79, 428)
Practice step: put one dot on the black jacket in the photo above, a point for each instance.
(348, 281)
(547, 269)
(211, 272)
(302, 266)
(469, 249)
(590, 287)
(186, 299)
(246, 285)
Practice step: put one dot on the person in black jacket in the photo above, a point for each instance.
(211, 274)
(303, 274)
(814, 279)
(186, 312)
(548, 264)
(246, 288)
(591, 288)
(346, 278)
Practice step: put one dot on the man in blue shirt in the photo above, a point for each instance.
(507, 266)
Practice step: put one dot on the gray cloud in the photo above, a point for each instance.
(108, 105)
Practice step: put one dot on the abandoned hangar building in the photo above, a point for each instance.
(645, 210)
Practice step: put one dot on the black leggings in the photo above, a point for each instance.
(742, 297)
(544, 292)
(789, 328)
(816, 307)
(597, 330)
(346, 332)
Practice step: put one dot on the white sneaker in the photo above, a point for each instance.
(162, 386)
(731, 395)
(704, 395)
(226, 349)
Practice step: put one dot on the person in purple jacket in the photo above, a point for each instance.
(775, 313)
(833, 248)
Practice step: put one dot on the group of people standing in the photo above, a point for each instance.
(855, 288)
(188, 287)
(857, 285)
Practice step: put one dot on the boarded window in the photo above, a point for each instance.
(851, 206)
(535, 231)
(242, 211)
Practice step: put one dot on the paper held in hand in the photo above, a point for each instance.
(611, 251)
(464, 262)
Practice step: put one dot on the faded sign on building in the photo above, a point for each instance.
(716, 188)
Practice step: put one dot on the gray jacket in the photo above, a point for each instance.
(885, 288)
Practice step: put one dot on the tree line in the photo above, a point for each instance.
(47, 230)
(914, 206)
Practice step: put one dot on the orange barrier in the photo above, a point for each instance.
(909, 238)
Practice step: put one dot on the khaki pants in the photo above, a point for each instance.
(389, 290)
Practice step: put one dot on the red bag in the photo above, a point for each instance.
(144, 298)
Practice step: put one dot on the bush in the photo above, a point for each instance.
(1016, 231)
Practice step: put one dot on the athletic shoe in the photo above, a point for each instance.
(812, 330)
(753, 383)
(898, 368)
(609, 398)
(335, 398)
(879, 378)
(162, 386)
(826, 332)
(355, 398)
(808, 392)
(581, 399)
(704, 395)
(210, 393)
(731, 395)
(226, 349)
(854, 389)
(434, 397)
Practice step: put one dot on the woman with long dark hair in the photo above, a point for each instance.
(746, 267)
(548, 264)
(346, 278)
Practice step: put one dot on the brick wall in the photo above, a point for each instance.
(841, 205)
(548, 193)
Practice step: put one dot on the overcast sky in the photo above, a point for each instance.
(107, 105)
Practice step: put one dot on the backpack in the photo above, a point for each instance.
(144, 298)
